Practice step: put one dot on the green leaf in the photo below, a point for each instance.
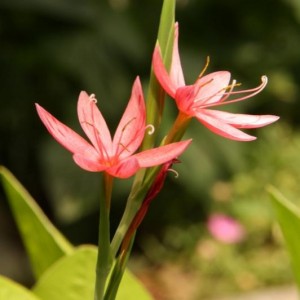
(43, 242)
(10, 290)
(288, 216)
(131, 288)
(73, 278)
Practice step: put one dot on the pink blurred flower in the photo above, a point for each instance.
(225, 229)
(114, 156)
(212, 90)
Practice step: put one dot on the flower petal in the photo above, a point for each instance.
(125, 168)
(161, 155)
(176, 73)
(88, 164)
(219, 127)
(184, 99)
(161, 73)
(242, 120)
(65, 135)
(94, 125)
(131, 129)
(210, 88)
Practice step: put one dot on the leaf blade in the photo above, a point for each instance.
(10, 290)
(288, 216)
(43, 242)
(156, 95)
(73, 278)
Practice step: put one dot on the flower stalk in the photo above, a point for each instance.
(128, 238)
(178, 129)
(105, 259)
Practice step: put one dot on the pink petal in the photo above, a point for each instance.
(176, 73)
(219, 127)
(88, 163)
(131, 129)
(65, 135)
(125, 168)
(94, 125)
(161, 155)
(242, 120)
(161, 73)
(210, 88)
(184, 99)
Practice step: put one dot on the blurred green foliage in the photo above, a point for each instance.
(214, 269)
(50, 50)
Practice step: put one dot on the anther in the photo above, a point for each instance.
(151, 129)
(93, 98)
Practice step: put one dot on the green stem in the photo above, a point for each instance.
(140, 187)
(118, 272)
(104, 260)
(132, 206)
(135, 199)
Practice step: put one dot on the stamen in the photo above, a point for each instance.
(230, 87)
(201, 86)
(205, 67)
(151, 129)
(100, 147)
(93, 98)
(127, 124)
(251, 92)
(124, 147)
(256, 90)
(222, 91)
(176, 174)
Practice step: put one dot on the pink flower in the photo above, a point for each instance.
(225, 229)
(114, 156)
(209, 91)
